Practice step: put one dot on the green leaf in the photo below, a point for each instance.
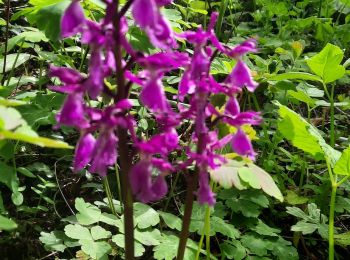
(77, 231)
(304, 227)
(6, 223)
(171, 220)
(27, 136)
(145, 216)
(302, 96)
(255, 244)
(148, 238)
(48, 19)
(98, 232)
(53, 241)
(326, 64)
(219, 225)
(304, 135)
(88, 213)
(119, 241)
(262, 229)
(249, 177)
(342, 166)
(294, 199)
(233, 250)
(167, 249)
(295, 75)
(10, 118)
(10, 102)
(96, 250)
(12, 62)
(343, 238)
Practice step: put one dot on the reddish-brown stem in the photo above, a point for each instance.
(123, 148)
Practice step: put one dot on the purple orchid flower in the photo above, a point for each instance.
(242, 145)
(72, 20)
(83, 152)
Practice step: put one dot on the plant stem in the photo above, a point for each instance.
(6, 40)
(331, 223)
(191, 187)
(200, 244)
(109, 195)
(332, 141)
(117, 175)
(207, 231)
(123, 148)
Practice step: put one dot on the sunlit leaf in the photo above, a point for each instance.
(342, 166)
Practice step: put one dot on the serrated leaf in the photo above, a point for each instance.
(294, 199)
(342, 166)
(88, 213)
(96, 250)
(98, 232)
(171, 220)
(226, 229)
(119, 241)
(233, 250)
(343, 238)
(255, 244)
(53, 240)
(77, 231)
(326, 64)
(145, 216)
(262, 229)
(304, 227)
(167, 249)
(148, 238)
(301, 96)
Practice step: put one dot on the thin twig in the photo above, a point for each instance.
(6, 40)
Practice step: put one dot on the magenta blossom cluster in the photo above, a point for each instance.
(98, 143)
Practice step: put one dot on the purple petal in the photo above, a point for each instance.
(105, 153)
(72, 113)
(159, 188)
(66, 75)
(83, 151)
(232, 107)
(144, 12)
(161, 34)
(204, 193)
(242, 145)
(243, 48)
(72, 19)
(241, 76)
(153, 96)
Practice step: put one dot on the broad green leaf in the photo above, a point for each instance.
(304, 135)
(10, 118)
(145, 216)
(88, 213)
(29, 138)
(227, 175)
(171, 220)
(148, 238)
(167, 249)
(301, 96)
(12, 61)
(98, 232)
(119, 241)
(48, 18)
(266, 182)
(294, 199)
(96, 249)
(53, 240)
(231, 173)
(342, 166)
(77, 231)
(295, 75)
(326, 64)
(6, 223)
(10, 102)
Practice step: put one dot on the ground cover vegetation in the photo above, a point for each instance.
(180, 129)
